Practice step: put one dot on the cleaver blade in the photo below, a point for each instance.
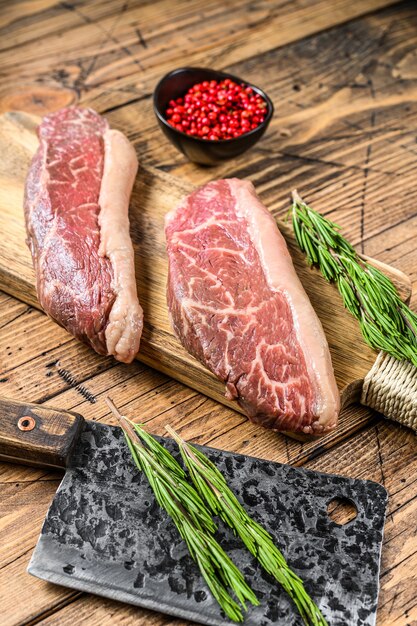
(105, 534)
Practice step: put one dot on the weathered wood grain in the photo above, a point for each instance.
(112, 53)
(343, 133)
(40, 597)
(23, 507)
(154, 194)
(147, 395)
(10, 309)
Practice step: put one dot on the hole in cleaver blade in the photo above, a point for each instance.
(105, 534)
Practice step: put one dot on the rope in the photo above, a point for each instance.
(391, 388)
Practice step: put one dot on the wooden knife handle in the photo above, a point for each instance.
(31, 434)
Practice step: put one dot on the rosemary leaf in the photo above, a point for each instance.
(369, 295)
(212, 487)
(189, 514)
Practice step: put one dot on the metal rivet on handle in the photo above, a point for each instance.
(27, 422)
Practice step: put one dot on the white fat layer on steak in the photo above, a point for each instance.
(282, 277)
(125, 321)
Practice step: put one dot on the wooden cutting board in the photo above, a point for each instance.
(154, 194)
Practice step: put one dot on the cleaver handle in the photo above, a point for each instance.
(32, 434)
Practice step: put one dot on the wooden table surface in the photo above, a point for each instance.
(343, 77)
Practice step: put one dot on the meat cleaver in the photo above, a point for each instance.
(105, 534)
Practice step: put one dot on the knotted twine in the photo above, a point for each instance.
(391, 389)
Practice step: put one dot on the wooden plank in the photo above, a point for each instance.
(327, 119)
(28, 500)
(111, 57)
(17, 474)
(357, 168)
(149, 397)
(10, 309)
(372, 197)
(30, 20)
(154, 193)
(41, 377)
(38, 594)
(315, 144)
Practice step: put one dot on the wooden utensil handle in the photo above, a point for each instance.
(31, 434)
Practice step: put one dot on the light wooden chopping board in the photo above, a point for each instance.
(154, 194)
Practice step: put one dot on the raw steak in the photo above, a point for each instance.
(76, 208)
(238, 306)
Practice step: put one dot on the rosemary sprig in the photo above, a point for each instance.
(212, 487)
(189, 514)
(385, 320)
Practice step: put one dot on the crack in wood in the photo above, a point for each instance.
(16, 367)
(28, 308)
(141, 38)
(402, 505)
(366, 170)
(381, 467)
(80, 83)
(116, 107)
(390, 227)
(55, 608)
(320, 161)
(19, 556)
(365, 186)
(389, 570)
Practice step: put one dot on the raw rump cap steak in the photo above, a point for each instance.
(76, 209)
(237, 305)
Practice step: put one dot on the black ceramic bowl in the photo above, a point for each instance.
(204, 151)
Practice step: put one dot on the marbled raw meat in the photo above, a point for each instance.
(238, 306)
(76, 209)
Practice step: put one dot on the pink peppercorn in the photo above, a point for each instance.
(217, 110)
